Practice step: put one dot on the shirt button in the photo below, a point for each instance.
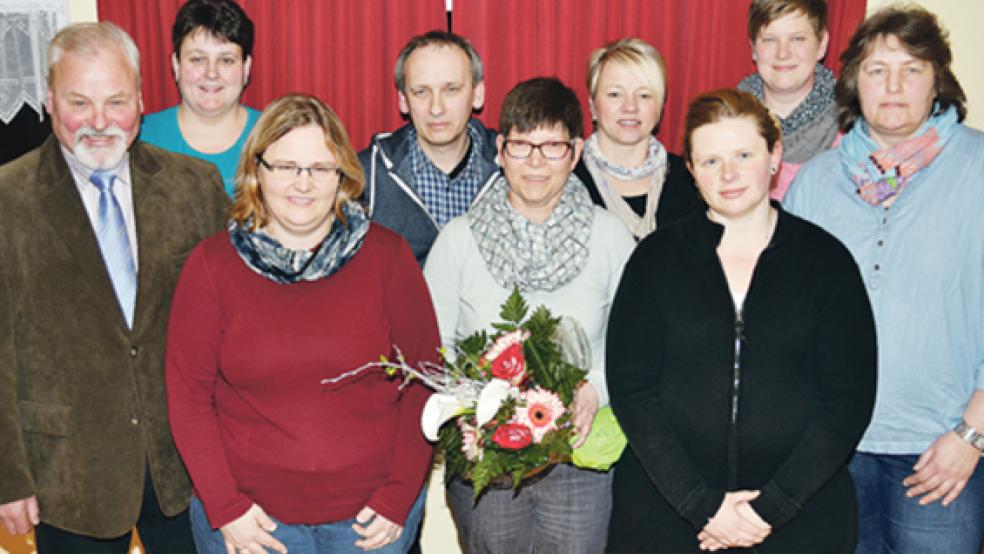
(134, 420)
(134, 350)
(884, 220)
(877, 267)
(881, 242)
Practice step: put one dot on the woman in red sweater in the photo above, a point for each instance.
(301, 287)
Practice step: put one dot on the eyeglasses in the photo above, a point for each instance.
(285, 171)
(551, 150)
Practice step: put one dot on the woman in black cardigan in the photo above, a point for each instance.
(741, 362)
(623, 167)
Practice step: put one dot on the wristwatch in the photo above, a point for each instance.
(970, 435)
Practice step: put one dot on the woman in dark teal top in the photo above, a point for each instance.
(213, 41)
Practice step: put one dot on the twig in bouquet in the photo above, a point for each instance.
(437, 377)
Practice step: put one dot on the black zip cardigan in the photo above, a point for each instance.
(775, 399)
(677, 198)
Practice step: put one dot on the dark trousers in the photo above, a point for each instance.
(159, 533)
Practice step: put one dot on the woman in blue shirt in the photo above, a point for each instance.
(213, 41)
(903, 192)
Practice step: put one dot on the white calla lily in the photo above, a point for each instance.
(491, 399)
(438, 409)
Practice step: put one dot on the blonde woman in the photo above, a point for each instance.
(624, 168)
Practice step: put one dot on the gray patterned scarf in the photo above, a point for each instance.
(531, 256)
(820, 98)
(655, 160)
(267, 257)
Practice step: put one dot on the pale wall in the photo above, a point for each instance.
(82, 10)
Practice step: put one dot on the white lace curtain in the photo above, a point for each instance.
(26, 27)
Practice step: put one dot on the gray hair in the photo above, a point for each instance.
(90, 39)
(437, 38)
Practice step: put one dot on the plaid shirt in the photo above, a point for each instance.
(446, 198)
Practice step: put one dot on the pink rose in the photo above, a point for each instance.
(510, 365)
(513, 436)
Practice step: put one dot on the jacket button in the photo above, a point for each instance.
(134, 350)
(135, 420)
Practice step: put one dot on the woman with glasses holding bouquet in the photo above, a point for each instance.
(300, 288)
(535, 229)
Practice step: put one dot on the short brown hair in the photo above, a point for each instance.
(539, 102)
(279, 118)
(763, 12)
(728, 103)
(919, 32)
(223, 20)
(437, 38)
(635, 53)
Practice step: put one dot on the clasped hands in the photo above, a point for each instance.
(251, 532)
(735, 525)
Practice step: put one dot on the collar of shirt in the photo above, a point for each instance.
(443, 196)
(464, 163)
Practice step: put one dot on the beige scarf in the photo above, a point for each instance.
(639, 226)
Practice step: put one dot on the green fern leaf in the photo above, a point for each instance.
(515, 309)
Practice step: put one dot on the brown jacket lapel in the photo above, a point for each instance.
(150, 213)
(65, 212)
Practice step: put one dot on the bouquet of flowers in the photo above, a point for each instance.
(502, 403)
(520, 421)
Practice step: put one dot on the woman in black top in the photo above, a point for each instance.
(624, 168)
(745, 376)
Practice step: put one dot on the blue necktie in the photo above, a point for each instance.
(115, 245)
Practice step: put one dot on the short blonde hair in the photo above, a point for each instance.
(282, 116)
(635, 53)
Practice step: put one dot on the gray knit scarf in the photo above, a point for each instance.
(531, 256)
(820, 98)
(267, 257)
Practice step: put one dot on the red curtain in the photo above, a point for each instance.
(704, 43)
(343, 50)
(339, 50)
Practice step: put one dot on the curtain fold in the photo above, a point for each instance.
(704, 44)
(343, 50)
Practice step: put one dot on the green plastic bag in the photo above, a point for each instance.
(604, 445)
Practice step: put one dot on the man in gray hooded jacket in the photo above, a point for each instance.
(430, 170)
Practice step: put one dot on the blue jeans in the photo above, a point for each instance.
(325, 538)
(565, 512)
(890, 522)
